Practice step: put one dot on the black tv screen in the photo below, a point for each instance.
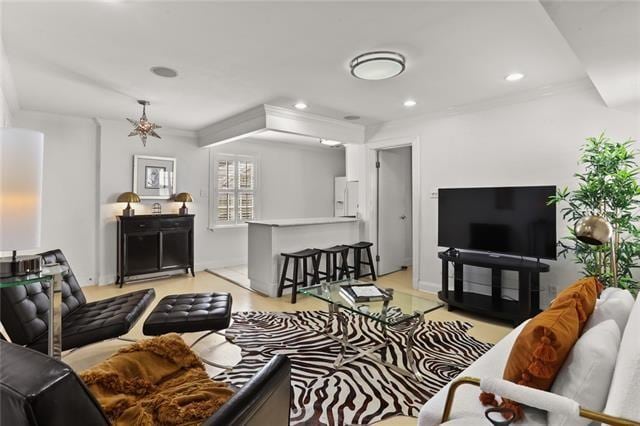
(510, 220)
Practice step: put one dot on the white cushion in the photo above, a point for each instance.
(586, 374)
(466, 403)
(625, 385)
(616, 304)
(608, 292)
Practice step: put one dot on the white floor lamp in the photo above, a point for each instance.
(21, 163)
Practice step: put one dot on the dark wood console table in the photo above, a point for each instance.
(494, 306)
(154, 243)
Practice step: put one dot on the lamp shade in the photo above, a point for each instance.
(593, 230)
(128, 197)
(183, 197)
(21, 163)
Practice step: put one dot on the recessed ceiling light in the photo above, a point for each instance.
(300, 105)
(164, 72)
(351, 117)
(377, 65)
(330, 142)
(409, 103)
(514, 76)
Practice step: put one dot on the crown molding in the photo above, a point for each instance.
(280, 112)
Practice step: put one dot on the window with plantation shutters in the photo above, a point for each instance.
(235, 189)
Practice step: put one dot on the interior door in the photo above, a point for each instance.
(394, 209)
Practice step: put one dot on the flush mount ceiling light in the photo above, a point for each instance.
(409, 103)
(514, 76)
(330, 142)
(377, 65)
(300, 105)
(164, 72)
(144, 127)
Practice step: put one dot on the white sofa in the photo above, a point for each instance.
(623, 393)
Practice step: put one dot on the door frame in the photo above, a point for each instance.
(372, 194)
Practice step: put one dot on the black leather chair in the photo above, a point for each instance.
(38, 390)
(24, 311)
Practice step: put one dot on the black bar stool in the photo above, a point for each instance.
(331, 262)
(357, 260)
(298, 257)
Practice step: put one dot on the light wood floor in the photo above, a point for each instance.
(215, 347)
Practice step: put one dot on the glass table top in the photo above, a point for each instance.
(47, 273)
(400, 308)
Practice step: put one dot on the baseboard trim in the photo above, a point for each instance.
(220, 263)
(199, 266)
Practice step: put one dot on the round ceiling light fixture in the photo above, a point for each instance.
(377, 65)
(330, 142)
(409, 103)
(164, 72)
(514, 76)
(300, 105)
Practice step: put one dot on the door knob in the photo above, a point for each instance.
(403, 217)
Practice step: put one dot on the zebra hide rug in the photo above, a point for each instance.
(361, 392)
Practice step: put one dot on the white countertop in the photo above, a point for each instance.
(303, 221)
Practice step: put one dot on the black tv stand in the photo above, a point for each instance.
(495, 306)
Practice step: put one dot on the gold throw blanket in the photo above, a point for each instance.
(158, 381)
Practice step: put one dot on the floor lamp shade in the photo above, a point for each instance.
(21, 162)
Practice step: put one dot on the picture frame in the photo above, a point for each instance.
(154, 178)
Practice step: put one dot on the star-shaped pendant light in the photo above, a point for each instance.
(144, 127)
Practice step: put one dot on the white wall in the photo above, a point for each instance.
(531, 143)
(4, 108)
(5, 112)
(294, 180)
(88, 163)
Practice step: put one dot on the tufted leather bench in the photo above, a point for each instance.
(24, 311)
(189, 313)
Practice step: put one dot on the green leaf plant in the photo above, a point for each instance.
(608, 187)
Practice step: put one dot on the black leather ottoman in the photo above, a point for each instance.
(191, 313)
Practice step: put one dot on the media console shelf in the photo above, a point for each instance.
(494, 306)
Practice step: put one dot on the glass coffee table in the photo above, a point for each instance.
(402, 312)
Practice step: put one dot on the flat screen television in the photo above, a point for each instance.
(510, 220)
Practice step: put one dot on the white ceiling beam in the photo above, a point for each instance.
(278, 119)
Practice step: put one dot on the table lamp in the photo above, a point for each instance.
(128, 197)
(21, 165)
(183, 197)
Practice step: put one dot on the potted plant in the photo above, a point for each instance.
(608, 187)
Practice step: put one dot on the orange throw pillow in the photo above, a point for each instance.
(586, 291)
(540, 350)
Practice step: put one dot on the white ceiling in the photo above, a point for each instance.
(93, 59)
(605, 35)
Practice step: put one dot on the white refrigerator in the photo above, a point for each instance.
(345, 197)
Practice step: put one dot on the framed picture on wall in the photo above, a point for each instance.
(154, 178)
